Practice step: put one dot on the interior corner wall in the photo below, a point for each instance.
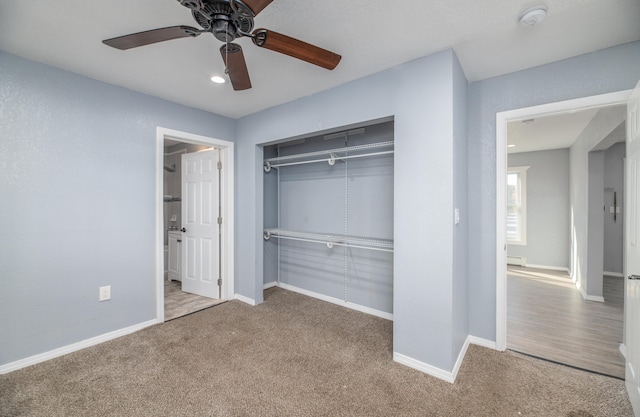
(586, 228)
(460, 231)
(595, 228)
(419, 97)
(548, 211)
(78, 186)
(609, 70)
(614, 225)
(270, 220)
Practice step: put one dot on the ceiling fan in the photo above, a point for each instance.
(228, 20)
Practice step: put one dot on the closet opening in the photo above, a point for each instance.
(328, 216)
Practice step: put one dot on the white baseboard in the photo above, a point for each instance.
(41, 357)
(424, 367)
(613, 274)
(245, 300)
(623, 350)
(337, 301)
(270, 285)
(448, 376)
(591, 297)
(490, 344)
(550, 268)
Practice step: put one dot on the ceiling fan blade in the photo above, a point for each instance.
(295, 48)
(236, 66)
(152, 36)
(257, 5)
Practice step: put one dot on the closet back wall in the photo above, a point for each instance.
(352, 197)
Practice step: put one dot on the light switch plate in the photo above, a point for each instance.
(105, 293)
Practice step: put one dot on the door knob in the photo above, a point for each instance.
(634, 277)
(183, 230)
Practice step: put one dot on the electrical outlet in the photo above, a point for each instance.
(105, 293)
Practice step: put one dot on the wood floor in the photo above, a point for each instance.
(178, 303)
(548, 318)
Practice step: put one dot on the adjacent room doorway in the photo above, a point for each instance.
(501, 193)
(204, 228)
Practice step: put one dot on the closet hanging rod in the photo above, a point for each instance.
(331, 160)
(333, 154)
(382, 245)
(385, 144)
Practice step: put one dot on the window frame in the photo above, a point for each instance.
(521, 171)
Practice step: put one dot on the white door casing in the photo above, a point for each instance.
(200, 206)
(227, 237)
(632, 251)
(502, 119)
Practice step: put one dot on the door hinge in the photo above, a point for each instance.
(219, 165)
(219, 220)
(219, 282)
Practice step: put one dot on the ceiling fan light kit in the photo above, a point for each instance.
(228, 20)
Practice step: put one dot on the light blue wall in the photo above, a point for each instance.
(460, 231)
(586, 201)
(78, 204)
(548, 211)
(609, 70)
(595, 249)
(419, 95)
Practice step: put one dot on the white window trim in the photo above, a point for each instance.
(522, 172)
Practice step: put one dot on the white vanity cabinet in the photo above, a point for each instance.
(174, 264)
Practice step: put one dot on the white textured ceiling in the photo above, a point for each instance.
(556, 131)
(371, 35)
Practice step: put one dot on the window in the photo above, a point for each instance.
(517, 205)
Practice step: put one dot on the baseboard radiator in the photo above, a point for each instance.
(516, 260)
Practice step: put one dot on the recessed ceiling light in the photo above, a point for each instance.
(532, 17)
(218, 79)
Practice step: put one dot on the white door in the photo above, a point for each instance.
(175, 240)
(200, 211)
(632, 261)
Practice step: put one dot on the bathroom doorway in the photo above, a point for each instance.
(172, 301)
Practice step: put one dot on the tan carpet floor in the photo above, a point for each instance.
(293, 356)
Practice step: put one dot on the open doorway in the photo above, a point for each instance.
(533, 274)
(181, 240)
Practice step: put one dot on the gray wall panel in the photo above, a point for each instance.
(548, 210)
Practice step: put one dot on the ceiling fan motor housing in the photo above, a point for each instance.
(225, 19)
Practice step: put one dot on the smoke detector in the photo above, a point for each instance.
(532, 17)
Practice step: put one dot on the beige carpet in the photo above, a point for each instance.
(293, 356)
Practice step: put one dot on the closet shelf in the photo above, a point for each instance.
(330, 155)
(331, 240)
